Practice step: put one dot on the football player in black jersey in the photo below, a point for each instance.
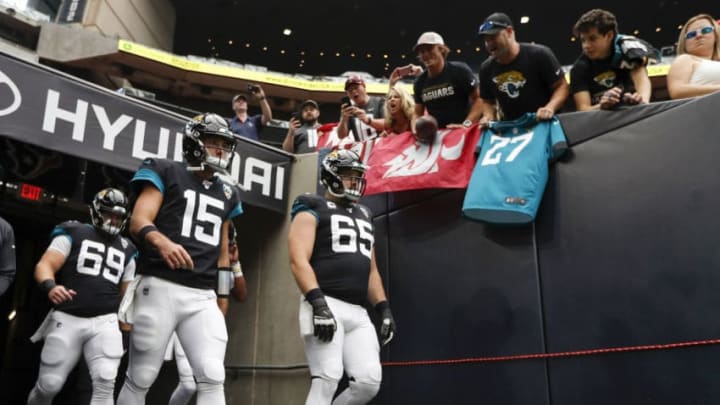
(83, 271)
(332, 257)
(186, 387)
(180, 220)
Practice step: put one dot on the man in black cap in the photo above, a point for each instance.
(302, 135)
(519, 77)
(245, 125)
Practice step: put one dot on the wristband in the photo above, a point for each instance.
(237, 270)
(142, 234)
(223, 285)
(382, 305)
(314, 294)
(48, 284)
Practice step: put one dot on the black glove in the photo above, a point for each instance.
(387, 327)
(324, 324)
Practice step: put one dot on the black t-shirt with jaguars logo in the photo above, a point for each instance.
(191, 214)
(597, 76)
(344, 241)
(523, 85)
(447, 96)
(94, 268)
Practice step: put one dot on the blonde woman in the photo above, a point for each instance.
(399, 111)
(696, 70)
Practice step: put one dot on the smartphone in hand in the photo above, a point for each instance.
(345, 102)
(253, 88)
(405, 71)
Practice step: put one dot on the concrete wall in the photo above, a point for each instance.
(149, 22)
(264, 330)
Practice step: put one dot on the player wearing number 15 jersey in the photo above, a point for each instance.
(180, 219)
(333, 260)
(82, 272)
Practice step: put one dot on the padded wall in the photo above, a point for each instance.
(624, 252)
(628, 252)
(459, 289)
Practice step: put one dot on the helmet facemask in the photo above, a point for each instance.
(210, 144)
(200, 149)
(109, 211)
(356, 187)
(341, 167)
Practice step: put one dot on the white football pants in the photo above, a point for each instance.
(354, 349)
(162, 307)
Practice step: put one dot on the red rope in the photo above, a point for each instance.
(576, 353)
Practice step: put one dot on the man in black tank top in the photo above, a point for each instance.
(332, 257)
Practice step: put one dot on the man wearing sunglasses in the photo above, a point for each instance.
(606, 74)
(696, 70)
(519, 77)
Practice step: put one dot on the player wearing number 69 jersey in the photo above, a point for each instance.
(83, 271)
(180, 219)
(333, 260)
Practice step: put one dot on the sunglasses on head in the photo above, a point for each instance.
(701, 31)
(488, 25)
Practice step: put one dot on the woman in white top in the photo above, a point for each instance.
(696, 70)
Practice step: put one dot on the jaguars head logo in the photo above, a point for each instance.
(510, 83)
(605, 79)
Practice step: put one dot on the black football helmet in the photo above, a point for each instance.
(336, 166)
(194, 149)
(110, 211)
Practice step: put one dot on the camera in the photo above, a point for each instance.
(253, 88)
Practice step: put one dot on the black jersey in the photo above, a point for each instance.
(192, 213)
(447, 96)
(343, 247)
(93, 268)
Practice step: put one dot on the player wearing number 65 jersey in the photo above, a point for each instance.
(83, 271)
(332, 257)
(180, 220)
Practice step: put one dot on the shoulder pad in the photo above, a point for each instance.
(71, 224)
(365, 210)
(65, 228)
(311, 200)
(127, 244)
(306, 202)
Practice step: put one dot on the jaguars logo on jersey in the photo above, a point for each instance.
(606, 79)
(510, 83)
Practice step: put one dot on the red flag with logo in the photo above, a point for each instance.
(328, 137)
(400, 163)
